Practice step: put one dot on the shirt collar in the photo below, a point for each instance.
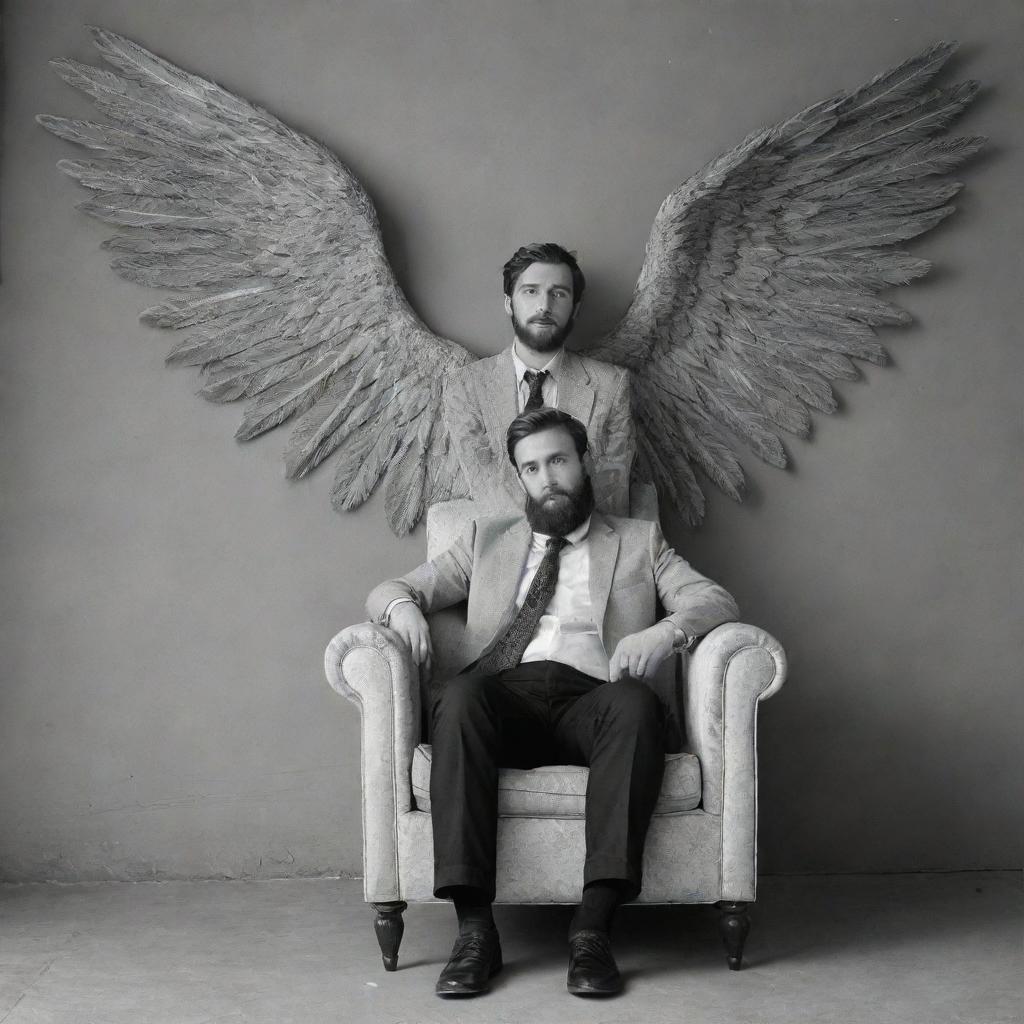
(574, 537)
(552, 366)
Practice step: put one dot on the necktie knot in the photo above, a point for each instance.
(535, 382)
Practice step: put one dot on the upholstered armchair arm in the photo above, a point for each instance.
(370, 666)
(733, 668)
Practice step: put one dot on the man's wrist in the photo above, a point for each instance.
(392, 605)
(681, 640)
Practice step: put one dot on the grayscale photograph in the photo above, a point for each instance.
(511, 512)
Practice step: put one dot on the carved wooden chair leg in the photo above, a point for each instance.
(733, 925)
(389, 927)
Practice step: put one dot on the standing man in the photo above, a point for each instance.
(543, 287)
(550, 593)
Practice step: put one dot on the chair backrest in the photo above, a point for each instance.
(445, 521)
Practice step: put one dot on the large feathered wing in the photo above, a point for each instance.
(292, 305)
(759, 282)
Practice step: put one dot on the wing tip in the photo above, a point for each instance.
(246, 432)
(72, 168)
(73, 73)
(941, 50)
(103, 37)
(400, 527)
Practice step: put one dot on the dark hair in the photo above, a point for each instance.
(544, 418)
(543, 252)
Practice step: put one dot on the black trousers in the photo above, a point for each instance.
(535, 714)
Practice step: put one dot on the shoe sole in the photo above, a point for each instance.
(586, 990)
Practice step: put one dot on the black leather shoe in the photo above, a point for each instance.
(475, 959)
(592, 967)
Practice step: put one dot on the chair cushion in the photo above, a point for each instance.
(559, 791)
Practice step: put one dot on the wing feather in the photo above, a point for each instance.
(759, 282)
(291, 303)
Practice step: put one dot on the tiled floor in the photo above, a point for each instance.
(846, 949)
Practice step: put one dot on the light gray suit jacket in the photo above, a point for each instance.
(481, 400)
(632, 568)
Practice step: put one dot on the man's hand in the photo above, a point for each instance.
(408, 622)
(639, 654)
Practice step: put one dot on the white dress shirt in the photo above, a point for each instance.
(567, 631)
(548, 387)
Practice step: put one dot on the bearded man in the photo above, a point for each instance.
(549, 594)
(544, 286)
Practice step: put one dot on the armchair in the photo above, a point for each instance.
(702, 843)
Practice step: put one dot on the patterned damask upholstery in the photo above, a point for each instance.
(702, 843)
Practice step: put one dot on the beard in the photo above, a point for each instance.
(559, 512)
(526, 333)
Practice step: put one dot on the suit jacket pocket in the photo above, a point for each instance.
(631, 580)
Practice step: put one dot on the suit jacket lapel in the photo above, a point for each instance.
(604, 550)
(501, 571)
(575, 396)
(502, 404)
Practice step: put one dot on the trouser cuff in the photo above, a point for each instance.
(628, 878)
(462, 875)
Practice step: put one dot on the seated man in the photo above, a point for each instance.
(549, 594)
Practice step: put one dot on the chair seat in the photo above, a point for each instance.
(559, 791)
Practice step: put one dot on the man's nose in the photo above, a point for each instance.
(544, 302)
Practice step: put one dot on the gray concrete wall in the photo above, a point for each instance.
(167, 595)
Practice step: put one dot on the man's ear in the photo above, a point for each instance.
(576, 309)
(519, 479)
(508, 305)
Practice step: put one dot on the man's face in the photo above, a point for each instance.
(549, 469)
(541, 306)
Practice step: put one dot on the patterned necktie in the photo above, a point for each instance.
(535, 381)
(508, 650)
